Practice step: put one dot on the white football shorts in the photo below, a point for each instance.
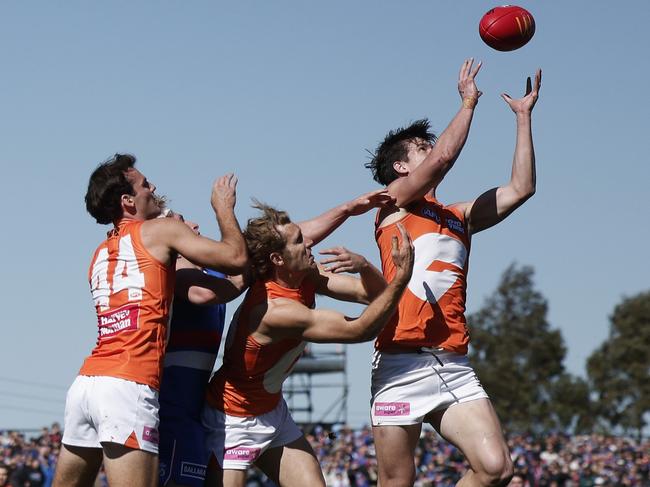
(101, 409)
(408, 386)
(236, 442)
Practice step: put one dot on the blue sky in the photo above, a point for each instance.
(288, 95)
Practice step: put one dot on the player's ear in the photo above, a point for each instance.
(128, 203)
(276, 258)
(400, 167)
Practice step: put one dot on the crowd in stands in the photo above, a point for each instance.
(29, 461)
(348, 459)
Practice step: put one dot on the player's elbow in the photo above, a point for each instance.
(240, 261)
(526, 192)
(202, 296)
(236, 261)
(362, 332)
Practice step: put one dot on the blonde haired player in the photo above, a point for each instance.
(247, 418)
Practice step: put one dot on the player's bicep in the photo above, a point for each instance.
(313, 325)
(328, 326)
(201, 250)
(490, 208)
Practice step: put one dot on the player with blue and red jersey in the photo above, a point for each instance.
(198, 315)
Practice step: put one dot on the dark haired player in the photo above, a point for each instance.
(420, 369)
(111, 410)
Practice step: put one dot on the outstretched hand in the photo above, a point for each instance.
(368, 201)
(342, 260)
(466, 83)
(526, 104)
(224, 192)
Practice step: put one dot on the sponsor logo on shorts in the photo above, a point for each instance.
(193, 470)
(241, 453)
(122, 319)
(150, 434)
(392, 408)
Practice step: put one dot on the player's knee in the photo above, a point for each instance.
(496, 470)
(397, 477)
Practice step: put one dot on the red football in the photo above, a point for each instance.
(507, 28)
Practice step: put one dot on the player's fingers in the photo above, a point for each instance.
(343, 268)
(377, 192)
(538, 79)
(476, 69)
(233, 181)
(464, 69)
(335, 260)
(334, 267)
(402, 231)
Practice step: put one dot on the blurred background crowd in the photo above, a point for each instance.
(347, 458)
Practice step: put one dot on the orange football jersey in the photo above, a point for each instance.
(132, 292)
(431, 312)
(249, 383)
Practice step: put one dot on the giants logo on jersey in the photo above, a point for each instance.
(439, 260)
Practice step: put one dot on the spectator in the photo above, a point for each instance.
(348, 459)
(4, 475)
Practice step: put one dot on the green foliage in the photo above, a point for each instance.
(518, 358)
(619, 370)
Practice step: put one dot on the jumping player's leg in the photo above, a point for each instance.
(77, 466)
(128, 467)
(216, 477)
(395, 447)
(474, 427)
(292, 465)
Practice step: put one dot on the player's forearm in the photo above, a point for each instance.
(320, 227)
(376, 315)
(233, 239)
(372, 280)
(451, 141)
(523, 179)
(439, 161)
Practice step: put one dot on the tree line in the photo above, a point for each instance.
(519, 359)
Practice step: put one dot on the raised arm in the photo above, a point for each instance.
(168, 237)
(448, 146)
(223, 199)
(496, 204)
(333, 283)
(320, 227)
(327, 326)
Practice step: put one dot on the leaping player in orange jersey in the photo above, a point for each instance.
(420, 369)
(111, 410)
(247, 419)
